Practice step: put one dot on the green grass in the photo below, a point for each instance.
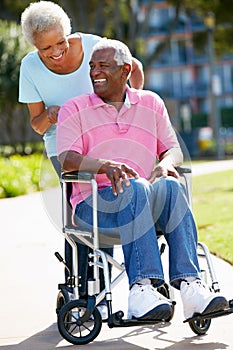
(212, 207)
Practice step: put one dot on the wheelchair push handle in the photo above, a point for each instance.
(58, 256)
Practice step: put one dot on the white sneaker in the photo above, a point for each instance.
(197, 298)
(103, 311)
(146, 303)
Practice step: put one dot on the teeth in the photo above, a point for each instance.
(99, 80)
(57, 57)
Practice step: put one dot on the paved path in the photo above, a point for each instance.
(30, 273)
(209, 167)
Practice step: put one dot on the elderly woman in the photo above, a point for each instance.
(56, 71)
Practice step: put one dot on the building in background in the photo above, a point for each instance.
(181, 74)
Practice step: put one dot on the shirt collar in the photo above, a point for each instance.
(127, 101)
(131, 97)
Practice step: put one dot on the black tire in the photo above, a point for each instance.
(164, 290)
(200, 327)
(62, 299)
(70, 327)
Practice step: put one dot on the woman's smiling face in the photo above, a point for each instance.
(52, 46)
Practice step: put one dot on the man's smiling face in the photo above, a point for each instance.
(107, 77)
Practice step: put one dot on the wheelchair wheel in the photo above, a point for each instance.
(200, 327)
(62, 299)
(72, 329)
(164, 290)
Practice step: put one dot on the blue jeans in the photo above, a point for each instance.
(136, 215)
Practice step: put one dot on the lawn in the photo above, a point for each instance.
(212, 207)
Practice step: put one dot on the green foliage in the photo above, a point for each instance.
(12, 48)
(25, 148)
(15, 129)
(227, 120)
(212, 205)
(122, 20)
(21, 175)
(223, 31)
(11, 9)
(201, 119)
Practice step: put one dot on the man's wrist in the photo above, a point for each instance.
(103, 165)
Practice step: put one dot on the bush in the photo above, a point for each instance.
(22, 175)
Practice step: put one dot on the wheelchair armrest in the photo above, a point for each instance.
(75, 176)
(88, 176)
(183, 170)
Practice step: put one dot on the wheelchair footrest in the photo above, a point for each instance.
(197, 317)
(116, 320)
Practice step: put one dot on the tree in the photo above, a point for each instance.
(14, 126)
(222, 11)
(125, 20)
(11, 9)
(128, 20)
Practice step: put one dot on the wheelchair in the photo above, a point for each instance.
(79, 320)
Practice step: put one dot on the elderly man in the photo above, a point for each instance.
(119, 133)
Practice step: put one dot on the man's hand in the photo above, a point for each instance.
(166, 167)
(119, 173)
(115, 172)
(163, 171)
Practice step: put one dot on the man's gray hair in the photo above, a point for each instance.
(122, 54)
(41, 16)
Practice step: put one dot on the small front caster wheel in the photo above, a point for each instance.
(200, 327)
(73, 329)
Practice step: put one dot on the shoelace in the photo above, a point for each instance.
(203, 289)
(197, 281)
(149, 287)
(143, 286)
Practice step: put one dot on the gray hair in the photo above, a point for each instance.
(42, 15)
(122, 54)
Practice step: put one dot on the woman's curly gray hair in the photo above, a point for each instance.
(41, 16)
(122, 54)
